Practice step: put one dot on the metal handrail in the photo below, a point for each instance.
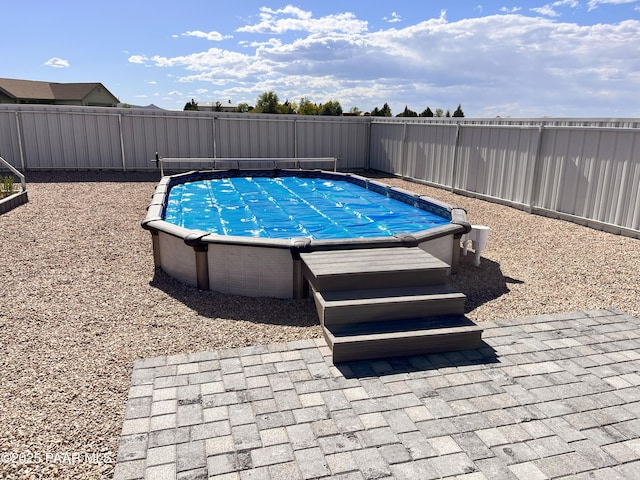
(297, 161)
(23, 181)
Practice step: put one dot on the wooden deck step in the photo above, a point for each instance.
(376, 305)
(386, 302)
(372, 268)
(405, 337)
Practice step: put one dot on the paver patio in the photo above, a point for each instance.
(553, 396)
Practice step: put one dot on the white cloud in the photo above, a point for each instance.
(138, 59)
(593, 4)
(507, 64)
(549, 9)
(546, 10)
(294, 19)
(56, 62)
(510, 10)
(212, 36)
(394, 18)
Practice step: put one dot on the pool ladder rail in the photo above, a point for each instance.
(216, 162)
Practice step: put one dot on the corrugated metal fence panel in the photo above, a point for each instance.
(70, 140)
(386, 150)
(430, 151)
(190, 136)
(9, 144)
(245, 137)
(591, 173)
(498, 162)
(347, 141)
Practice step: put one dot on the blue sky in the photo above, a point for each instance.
(565, 58)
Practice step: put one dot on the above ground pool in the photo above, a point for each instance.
(242, 231)
(291, 206)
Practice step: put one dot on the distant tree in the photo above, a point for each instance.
(217, 107)
(332, 107)
(448, 113)
(427, 113)
(355, 111)
(439, 112)
(267, 103)
(307, 107)
(192, 105)
(458, 112)
(407, 113)
(287, 107)
(243, 108)
(385, 111)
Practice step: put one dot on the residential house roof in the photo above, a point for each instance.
(48, 91)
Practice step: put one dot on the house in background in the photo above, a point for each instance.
(218, 107)
(50, 93)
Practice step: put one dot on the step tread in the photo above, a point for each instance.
(354, 262)
(374, 341)
(424, 326)
(389, 295)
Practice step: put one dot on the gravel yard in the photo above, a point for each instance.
(81, 302)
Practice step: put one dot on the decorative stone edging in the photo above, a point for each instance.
(13, 201)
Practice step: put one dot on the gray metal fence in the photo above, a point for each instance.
(584, 170)
(42, 137)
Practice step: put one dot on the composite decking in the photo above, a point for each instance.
(385, 302)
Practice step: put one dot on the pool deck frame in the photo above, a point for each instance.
(218, 262)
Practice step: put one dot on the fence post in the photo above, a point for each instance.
(214, 130)
(534, 194)
(295, 138)
(454, 163)
(20, 148)
(404, 151)
(124, 162)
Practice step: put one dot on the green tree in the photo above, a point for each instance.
(332, 107)
(287, 107)
(407, 113)
(267, 103)
(427, 113)
(243, 108)
(355, 111)
(307, 107)
(458, 112)
(439, 112)
(448, 113)
(217, 107)
(385, 111)
(192, 105)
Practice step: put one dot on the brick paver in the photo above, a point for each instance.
(546, 397)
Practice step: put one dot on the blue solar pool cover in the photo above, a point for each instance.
(290, 206)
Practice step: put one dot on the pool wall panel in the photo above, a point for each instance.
(441, 248)
(177, 259)
(254, 271)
